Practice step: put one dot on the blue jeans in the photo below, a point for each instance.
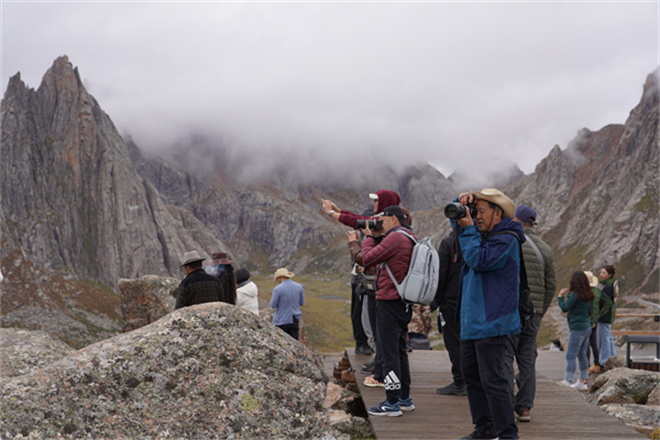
(606, 348)
(578, 340)
(487, 385)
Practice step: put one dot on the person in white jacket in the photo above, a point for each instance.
(246, 292)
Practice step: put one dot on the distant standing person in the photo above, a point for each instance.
(197, 287)
(610, 293)
(542, 282)
(246, 292)
(288, 296)
(592, 347)
(577, 301)
(221, 267)
(446, 301)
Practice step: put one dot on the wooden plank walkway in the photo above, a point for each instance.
(559, 412)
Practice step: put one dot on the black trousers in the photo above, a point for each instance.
(359, 335)
(392, 318)
(451, 334)
(291, 329)
(593, 344)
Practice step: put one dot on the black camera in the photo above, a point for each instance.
(374, 225)
(455, 211)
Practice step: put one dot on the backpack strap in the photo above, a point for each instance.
(536, 249)
(397, 285)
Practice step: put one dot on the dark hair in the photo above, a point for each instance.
(580, 285)
(409, 217)
(228, 283)
(494, 206)
(195, 264)
(610, 269)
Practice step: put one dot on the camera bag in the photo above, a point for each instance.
(421, 282)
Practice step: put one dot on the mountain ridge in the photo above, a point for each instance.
(78, 198)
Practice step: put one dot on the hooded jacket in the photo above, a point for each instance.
(395, 249)
(385, 198)
(489, 291)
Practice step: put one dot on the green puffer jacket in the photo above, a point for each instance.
(540, 277)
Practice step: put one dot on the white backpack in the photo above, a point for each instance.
(421, 282)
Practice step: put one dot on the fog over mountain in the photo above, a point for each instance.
(324, 84)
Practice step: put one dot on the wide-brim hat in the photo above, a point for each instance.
(221, 258)
(282, 272)
(593, 280)
(191, 257)
(497, 197)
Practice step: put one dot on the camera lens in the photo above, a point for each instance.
(454, 211)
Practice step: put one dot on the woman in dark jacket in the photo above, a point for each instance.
(577, 301)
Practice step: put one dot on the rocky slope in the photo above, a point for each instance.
(69, 194)
(208, 371)
(598, 199)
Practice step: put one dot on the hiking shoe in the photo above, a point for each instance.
(565, 383)
(385, 409)
(406, 404)
(363, 349)
(452, 390)
(480, 435)
(370, 381)
(580, 386)
(594, 369)
(523, 416)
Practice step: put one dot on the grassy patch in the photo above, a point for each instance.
(326, 312)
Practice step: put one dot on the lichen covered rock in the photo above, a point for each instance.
(204, 372)
(146, 299)
(24, 351)
(624, 386)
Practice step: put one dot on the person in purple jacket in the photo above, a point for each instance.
(392, 314)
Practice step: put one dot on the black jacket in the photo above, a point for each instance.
(451, 262)
(198, 287)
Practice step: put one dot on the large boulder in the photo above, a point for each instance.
(623, 386)
(146, 299)
(208, 371)
(24, 351)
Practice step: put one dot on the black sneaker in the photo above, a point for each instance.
(452, 390)
(480, 435)
(368, 368)
(363, 349)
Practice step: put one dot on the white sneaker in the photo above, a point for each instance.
(565, 383)
(580, 386)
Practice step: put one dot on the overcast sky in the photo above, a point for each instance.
(456, 84)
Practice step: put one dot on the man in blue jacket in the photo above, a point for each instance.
(489, 308)
(287, 298)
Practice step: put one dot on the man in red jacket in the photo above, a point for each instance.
(392, 315)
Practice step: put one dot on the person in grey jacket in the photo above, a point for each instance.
(542, 282)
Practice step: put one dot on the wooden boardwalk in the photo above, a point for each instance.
(559, 412)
